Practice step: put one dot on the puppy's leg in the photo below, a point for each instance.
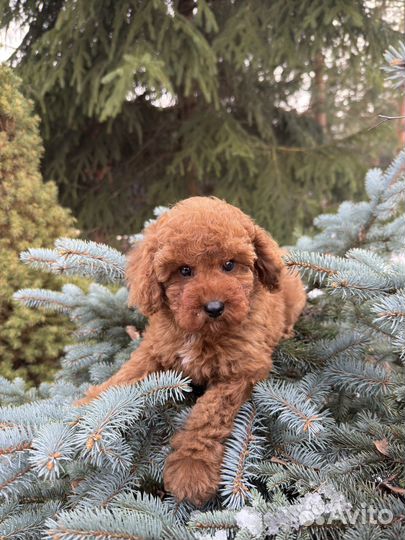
(193, 470)
(141, 364)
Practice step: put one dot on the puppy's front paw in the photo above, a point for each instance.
(193, 478)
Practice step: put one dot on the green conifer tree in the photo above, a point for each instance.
(145, 103)
(30, 342)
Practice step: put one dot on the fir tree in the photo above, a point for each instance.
(145, 103)
(317, 453)
(30, 342)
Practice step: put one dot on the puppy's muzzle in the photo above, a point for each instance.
(214, 308)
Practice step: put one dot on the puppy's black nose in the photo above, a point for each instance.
(214, 308)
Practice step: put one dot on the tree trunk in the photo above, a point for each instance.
(319, 93)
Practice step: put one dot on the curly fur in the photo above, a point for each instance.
(228, 354)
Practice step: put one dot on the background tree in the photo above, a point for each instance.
(144, 103)
(29, 215)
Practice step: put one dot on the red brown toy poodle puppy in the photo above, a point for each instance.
(219, 300)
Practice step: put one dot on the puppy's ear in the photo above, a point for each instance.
(145, 292)
(269, 262)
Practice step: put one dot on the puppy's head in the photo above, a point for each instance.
(202, 260)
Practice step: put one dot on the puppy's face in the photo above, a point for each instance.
(212, 285)
(202, 260)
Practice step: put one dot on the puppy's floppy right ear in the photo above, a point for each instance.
(269, 262)
(145, 292)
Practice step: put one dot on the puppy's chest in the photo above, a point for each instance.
(198, 359)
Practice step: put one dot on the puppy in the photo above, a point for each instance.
(219, 299)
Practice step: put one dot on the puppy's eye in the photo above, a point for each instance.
(185, 271)
(228, 266)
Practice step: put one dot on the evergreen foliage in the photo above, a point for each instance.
(395, 58)
(145, 103)
(30, 342)
(317, 453)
